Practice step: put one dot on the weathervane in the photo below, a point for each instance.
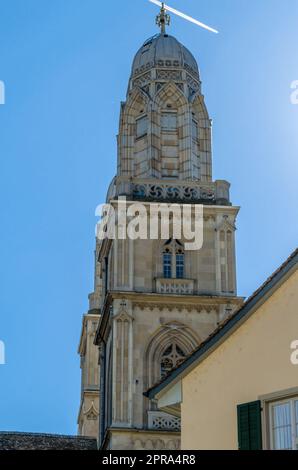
(163, 19)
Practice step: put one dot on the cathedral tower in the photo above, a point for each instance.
(155, 301)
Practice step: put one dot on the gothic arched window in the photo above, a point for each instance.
(179, 264)
(173, 260)
(167, 264)
(171, 358)
(168, 347)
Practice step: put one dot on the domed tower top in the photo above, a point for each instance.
(163, 50)
(164, 140)
(163, 56)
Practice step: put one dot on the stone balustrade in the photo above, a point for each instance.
(158, 420)
(171, 191)
(175, 286)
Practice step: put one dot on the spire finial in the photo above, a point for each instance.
(163, 19)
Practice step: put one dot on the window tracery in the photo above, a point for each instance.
(173, 260)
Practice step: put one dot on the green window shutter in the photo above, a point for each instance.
(250, 426)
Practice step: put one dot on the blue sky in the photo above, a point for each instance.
(66, 64)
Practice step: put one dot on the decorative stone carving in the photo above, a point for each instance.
(142, 80)
(194, 84)
(92, 413)
(156, 444)
(176, 307)
(168, 63)
(180, 86)
(163, 421)
(192, 71)
(146, 89)
(145, 67)
(169, 75)
(175, 286)
(158, 86)
(177, 192)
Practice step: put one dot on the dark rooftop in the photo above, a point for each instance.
(31, 441)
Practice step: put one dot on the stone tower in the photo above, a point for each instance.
(154, 300)
(88, 419)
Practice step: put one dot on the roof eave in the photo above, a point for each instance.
(232, 325)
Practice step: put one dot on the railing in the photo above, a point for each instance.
(163, 421)
(170, 190)
(175, 286)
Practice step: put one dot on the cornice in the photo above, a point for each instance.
(151, 301)
(166, 299)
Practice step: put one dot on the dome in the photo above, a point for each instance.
(163, 50)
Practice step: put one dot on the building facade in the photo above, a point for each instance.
(88, 422)
(155, 301)
(239, 390)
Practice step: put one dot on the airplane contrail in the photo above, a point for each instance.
(183, 15)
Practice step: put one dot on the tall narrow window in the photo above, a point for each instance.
(284, 425)
(180, 265)
(142, 126)
(167, 264)
(173, 260)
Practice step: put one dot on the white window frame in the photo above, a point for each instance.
(291, 401)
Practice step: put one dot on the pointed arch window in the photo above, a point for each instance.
(173, 260)
(171, 358)
(167, 264)
(180, 264)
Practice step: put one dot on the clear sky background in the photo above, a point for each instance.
(66, 65)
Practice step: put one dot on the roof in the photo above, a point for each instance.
(163, 50)
(32, 441)
(227, 327)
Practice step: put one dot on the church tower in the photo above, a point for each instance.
(155, 300)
